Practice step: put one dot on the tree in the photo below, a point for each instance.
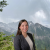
(45, 48)
(2, 4)
(34, 42)
(6, 42)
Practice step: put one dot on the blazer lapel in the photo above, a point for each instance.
(24, 43)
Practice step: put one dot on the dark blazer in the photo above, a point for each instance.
(20, 42)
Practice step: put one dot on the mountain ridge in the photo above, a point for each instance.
(37, 29)
(41, 33)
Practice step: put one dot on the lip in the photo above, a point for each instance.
(25, 30)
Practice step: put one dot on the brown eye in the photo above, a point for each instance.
(27, 25)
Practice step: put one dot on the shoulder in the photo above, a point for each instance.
(29, 33)
(16, 37)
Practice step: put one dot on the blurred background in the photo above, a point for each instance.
(36, 12)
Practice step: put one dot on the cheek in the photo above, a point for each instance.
(21, 28)
(27, 26)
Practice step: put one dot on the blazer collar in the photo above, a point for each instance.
(23, 36)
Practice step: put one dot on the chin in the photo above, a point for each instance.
(25, 31)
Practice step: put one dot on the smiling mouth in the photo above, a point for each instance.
(25, 30)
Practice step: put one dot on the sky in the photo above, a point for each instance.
(37, 11)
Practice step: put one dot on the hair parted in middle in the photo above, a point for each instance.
(20, 22)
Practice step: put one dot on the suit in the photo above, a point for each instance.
(21, 44)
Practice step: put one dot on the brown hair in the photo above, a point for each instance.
(19, 31)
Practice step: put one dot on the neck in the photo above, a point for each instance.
(24, 34)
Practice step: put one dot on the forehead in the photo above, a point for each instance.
(24, 23)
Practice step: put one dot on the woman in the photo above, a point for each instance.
(23, 40)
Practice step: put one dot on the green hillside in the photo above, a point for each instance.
(6, 42)
(41, 44)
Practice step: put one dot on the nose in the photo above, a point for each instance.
(25, 26)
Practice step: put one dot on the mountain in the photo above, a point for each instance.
(41, 30)
(37, 29)
(13, 25)
(5, 28)
(41, 33)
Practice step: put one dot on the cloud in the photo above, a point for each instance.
(1, 20)
(12, 20)
(31, 10)
(39, 17)
(9, 20)
(40, 14)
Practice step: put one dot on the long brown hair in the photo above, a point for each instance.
(19, 31)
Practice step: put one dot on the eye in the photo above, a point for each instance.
(22, 25)
(27, 25)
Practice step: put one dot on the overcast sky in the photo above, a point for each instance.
(37, 11)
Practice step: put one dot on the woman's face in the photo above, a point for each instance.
(24, 27)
